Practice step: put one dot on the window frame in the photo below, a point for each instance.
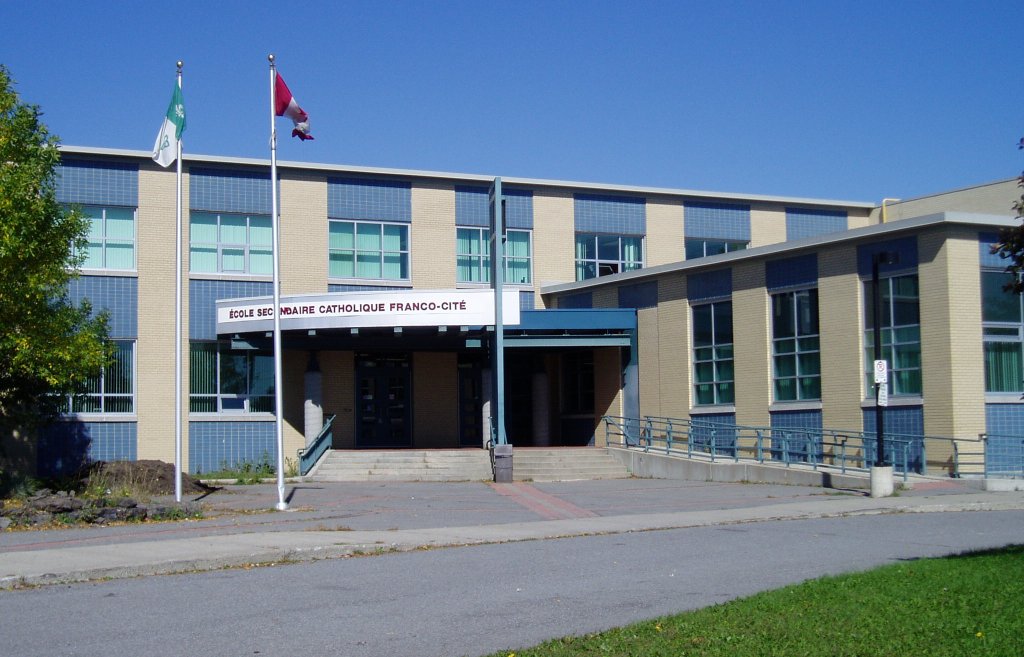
(1002, 331)
(728, 246)
(355, 250)
(805, 347)
(103, 240)
(482, 266)
(605, 266)
(890, 330)
(229, 403)
(97, 387)
(718, 356)
(220, 245)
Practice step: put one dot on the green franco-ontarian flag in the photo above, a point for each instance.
(165, 151)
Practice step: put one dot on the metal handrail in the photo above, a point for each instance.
(843, 449)
(311, 453)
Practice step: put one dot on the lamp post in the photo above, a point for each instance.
(881, 476)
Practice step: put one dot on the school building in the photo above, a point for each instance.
(623, 301)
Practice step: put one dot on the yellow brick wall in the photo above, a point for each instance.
(338, 369)
(155, 351)
(674, 372)
(293, 373)
(303, 232)
(839, 318)
(432, 239)
(664, 241)
(951, 339)
(649, 362)
(554, 239)
(859, 219)
(752, 361)
(767, 225)
(607, 394)
(435, 400)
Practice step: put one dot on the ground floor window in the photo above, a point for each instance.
(1003, 330)
(796, 346)
(713, 371)
(113, 390)
(901, 334)
(225, 380)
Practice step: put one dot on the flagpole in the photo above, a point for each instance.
(282, 505)
(177, 326)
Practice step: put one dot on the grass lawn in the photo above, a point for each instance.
(969, 605)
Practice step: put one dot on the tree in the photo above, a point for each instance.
(1011, 242)
(49, 348)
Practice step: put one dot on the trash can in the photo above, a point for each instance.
(503, 464)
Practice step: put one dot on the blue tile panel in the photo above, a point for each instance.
(214, 445)
(614, 215)
(904, 424)
(118, 295)
(906, 247)
(639, 295)
(989, 259)
(579, 300)
(788, 443)
(1004, 449)
(727, 221)
(709, 285)
(224, 190)
(473, 208)
(810, 223)
(366, 198)
(526, 300)
(66, 446)
(801, 271)
(339, 287)
(96, 183)
(202, 307)
(717, 430)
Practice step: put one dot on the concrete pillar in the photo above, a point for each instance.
(313, 409)
(540, 389)
(485, 406)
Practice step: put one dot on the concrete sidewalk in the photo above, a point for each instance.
(339, 520)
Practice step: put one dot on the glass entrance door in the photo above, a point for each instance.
(384, 415)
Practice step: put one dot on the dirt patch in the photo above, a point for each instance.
(141, 477)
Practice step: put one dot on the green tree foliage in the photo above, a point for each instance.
(48, 347)
(1011, 241)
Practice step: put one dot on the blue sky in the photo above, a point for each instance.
(829, 99)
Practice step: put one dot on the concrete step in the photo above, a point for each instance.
(404, 465)
(565, 464)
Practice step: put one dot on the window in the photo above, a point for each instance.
(795, 346)
(473, 256)
(600, 255)
(901, 334)
(712, 354)
(697, 247)
(224, 380)
(113, 391)
(368, 249)
(1003, 331)
(111, 238)
(230, 244)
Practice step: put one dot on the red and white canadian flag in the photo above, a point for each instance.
(285, 105)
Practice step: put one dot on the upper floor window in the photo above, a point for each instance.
(223, 380)
(1003, 334)
(713, 372)
(796, 346)
(600, 254)
(473, 255)
(698, 247)
(368, 249)
(901, 333)
(111, 238)
(113, 390)
(230, 244)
